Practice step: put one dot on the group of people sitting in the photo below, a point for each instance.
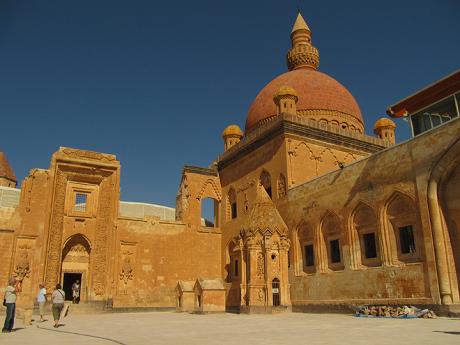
(57, 300)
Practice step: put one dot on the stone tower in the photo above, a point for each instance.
(385, 129)
(302, 54)
(285, 100)
(231, 135)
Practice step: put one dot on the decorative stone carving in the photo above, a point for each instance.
(260, 295)
(56, 228)
(74, 153)
(217, 195)
(182, 199)
(22, 267)
(275, 264)
(245, 186)
(260, 265)
(281, 186)
(102, 238)
(127, 273)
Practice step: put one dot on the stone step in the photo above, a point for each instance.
(80, 308)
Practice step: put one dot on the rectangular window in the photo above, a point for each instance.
(335, 251)
(80, 202)
(309, 255)
(434, 115)
(233, 207)
(235, 270)
(370, 248)
(407, 240)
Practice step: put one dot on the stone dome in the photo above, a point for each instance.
(384, 122)
(232, 130)
(320, 97)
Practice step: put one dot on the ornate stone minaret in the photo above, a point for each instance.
(302, 54)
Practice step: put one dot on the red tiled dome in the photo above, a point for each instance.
(316, 91)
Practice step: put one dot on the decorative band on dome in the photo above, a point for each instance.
(302, 56)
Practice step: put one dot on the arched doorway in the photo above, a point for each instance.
(75, 265)
(276, 292)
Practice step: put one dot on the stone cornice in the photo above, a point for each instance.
(199, 170)
(297, 125)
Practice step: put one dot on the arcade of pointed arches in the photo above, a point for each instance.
(390, 236)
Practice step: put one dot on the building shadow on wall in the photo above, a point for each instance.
(448, 332)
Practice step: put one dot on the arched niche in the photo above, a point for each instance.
(332, 233)
(404, 229)
(365, 227)
(306, 248)
(266, 182)
(232, 206)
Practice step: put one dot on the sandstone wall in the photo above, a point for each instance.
(392, 186)
(159, 254)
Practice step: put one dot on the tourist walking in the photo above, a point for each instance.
(9, 301)
(41, 300)
(57, 298)
(76, 292)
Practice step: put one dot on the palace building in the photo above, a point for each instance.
(309, 212)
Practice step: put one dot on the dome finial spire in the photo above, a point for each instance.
(300, 23)
(302, 54)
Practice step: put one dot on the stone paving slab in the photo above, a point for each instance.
(289, 328)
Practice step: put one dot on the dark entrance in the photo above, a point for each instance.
(276, 292)
(69, 279)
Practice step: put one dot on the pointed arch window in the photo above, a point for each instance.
(232, 205)
(266, 182)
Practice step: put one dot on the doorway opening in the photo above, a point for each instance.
(69, 279)
(276, 292)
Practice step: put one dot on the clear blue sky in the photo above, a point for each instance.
(156, 82)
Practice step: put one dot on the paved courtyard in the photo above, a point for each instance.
(290, 328)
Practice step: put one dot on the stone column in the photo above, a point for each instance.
(285, 286)
(439, 243)
(244, 270)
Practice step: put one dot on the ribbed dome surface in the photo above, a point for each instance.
(315, 90)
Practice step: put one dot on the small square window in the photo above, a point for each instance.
(335, 251)
(407, 240)
(370, 247)
(309, 255)
(80, 202)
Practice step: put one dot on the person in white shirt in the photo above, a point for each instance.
(9, 302)
(41, 300)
